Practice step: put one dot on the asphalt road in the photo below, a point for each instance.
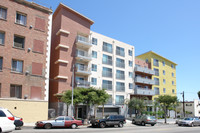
(126, 129)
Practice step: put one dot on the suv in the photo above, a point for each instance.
(144, 119)
(6, 121)
(110, 120)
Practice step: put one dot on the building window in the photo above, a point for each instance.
(130, 63)
(107, 47)
(120, 74)
(20, 18)
(94, 67)
(106, 84)
(130, 52)
(155, 62)
(173, 91)
(156, 71)
(146, 60)
(94, 54)
(163, 72)
(17, 66)
(120, 63)
(94, 81)
(172, 82)
(94, 41)
(164, 81)
(163, 63)
(3, 13)
(120, 86)
(172, 74)
(107, 72)
(19, 41)
(107, 59)
(130, 74)
(172, 65)
(164, 90)
(120, 51)
(156, 81)
(109, 102)
(119, 100)
(130, 86)
(16, 91)
(2, 38)
(157, 91)
(1, 63)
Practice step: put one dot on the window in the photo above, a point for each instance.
(130, 74)
(120, 86)
(107, 72)
(107, 59)
(3, 13)
(16, 91)
(94, 81)
(94, 54)
(106, 84)
(94, 41)
(172, 82)
(155, 62)
(19, 41)
(156, 71)
(146, 60)
(164, 81)
(17, 66)
(109, 100)
(164, 90)
(94, 67)
(120, 51)
(172, 74)
(173, 91)
(120, 74)
(156, 81)
(163, 72)
(163, 63)
(130, 52)
(107, 47)
(119, 100)
(130, 86)
(20, 18)
(1, 63)
(120, 63)
(130, 63)
(172, 65)
(157, 92)
(2, 38)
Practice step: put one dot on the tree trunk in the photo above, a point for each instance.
(103, 110)
(67, 110)
(94, 111)
(166, 115)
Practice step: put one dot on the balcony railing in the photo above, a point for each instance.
(83, 41)
(120, 53)
(120, 88)
(144, 70)
(107, 74)
(83, 55)
(107, 86)
(120, 76)
(107, 49)
(82, 83)
(119, 64)
(144, 91)
(83, 69)
(108, 61)
(144, 80)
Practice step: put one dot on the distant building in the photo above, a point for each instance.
(25, 33)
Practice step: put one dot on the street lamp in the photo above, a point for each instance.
(183, 103)
(72, 106)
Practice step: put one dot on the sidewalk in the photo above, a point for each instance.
(169, 121)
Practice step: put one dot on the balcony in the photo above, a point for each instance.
(107, 87)
(120, 76)
(144, 81)
(120, 88)
(83, 42)
(119, 64)
(83, 70)
(107, 74)
(82, 83)
(144, 70)
(144, 91)
(83, 56)
(107, 62)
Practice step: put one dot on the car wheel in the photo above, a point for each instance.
(48, 126)
(133, 121)
(0, 130)
(74, 126)
(120, 124)
(179, 124)
(192, 124)
(152, 124)
(102, 125)
(143, 123)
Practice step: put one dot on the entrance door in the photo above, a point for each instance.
(80, 112)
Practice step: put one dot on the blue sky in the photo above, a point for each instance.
(170, 28)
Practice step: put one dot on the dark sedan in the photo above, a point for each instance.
(61, 121)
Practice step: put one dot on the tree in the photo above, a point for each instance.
(198, 94)
(166, 101)
(137, 104)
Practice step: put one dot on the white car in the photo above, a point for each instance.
(6, 121)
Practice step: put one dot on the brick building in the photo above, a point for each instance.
(25, 35)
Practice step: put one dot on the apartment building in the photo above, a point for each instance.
(165, 73)
(98, 61)
(25, 31)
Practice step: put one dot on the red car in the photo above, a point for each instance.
(61, 121)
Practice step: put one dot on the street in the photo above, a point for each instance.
(129, 128)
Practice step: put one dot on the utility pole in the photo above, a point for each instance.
(72, 106)
(183, 104)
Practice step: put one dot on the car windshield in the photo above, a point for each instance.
(188, 119)
(152, 117)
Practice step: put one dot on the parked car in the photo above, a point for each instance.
(177, 120)
(6, 121)
(110, 120)
(144, 119)
(18, 122)
(189, 121)
(61, 121)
